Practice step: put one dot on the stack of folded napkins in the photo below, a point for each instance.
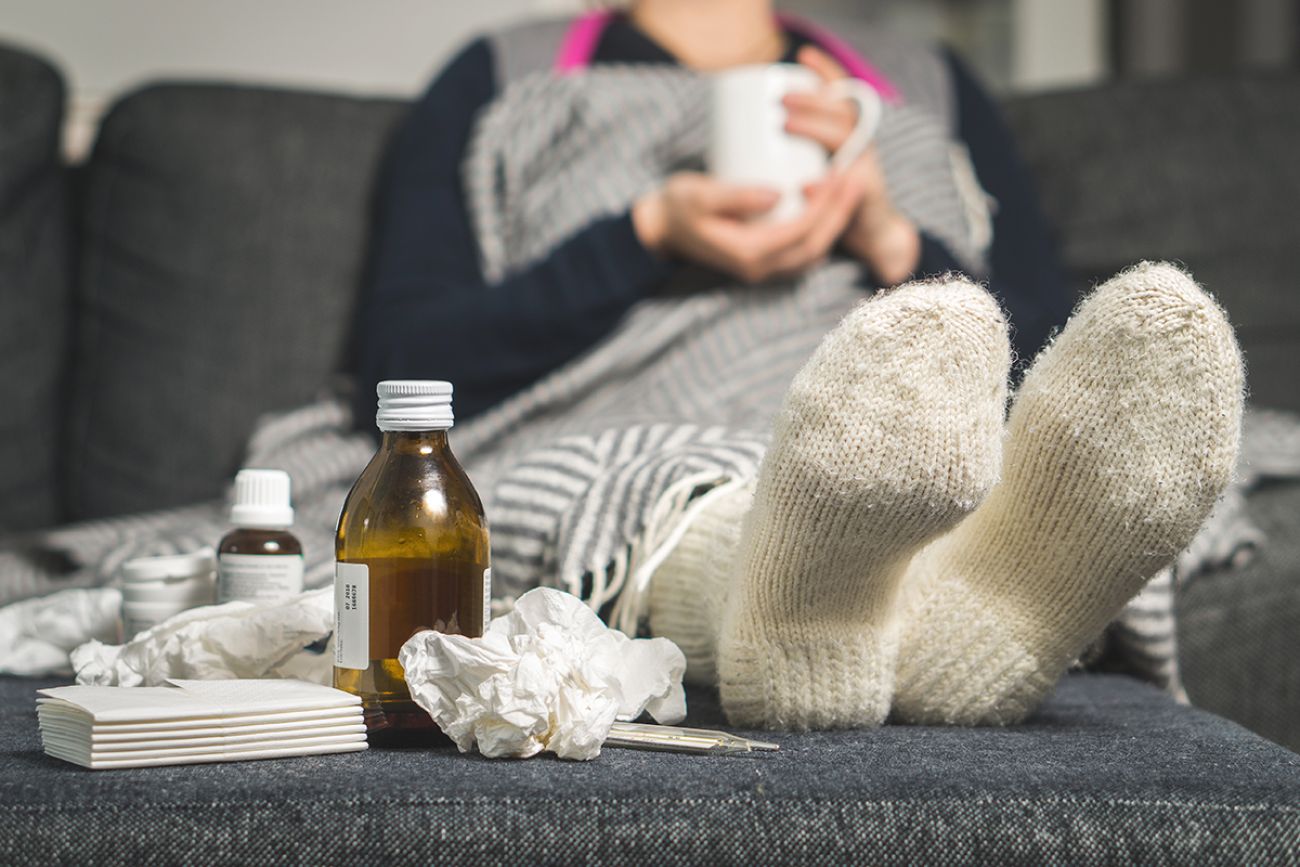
(195, 721)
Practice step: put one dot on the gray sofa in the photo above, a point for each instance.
(200, 270)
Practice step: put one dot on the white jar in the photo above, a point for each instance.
(156, 588)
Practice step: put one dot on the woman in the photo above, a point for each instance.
(425, 312)
(623, 331)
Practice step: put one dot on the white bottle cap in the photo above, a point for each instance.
(166, 585)
(200, 563)
(414, 405)
(262, 500)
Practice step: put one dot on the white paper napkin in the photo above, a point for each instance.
(197, 721)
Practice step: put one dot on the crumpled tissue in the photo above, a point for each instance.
(547, 676)
(36, 634)
(234, 640)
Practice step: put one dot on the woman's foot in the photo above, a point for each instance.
(888, 437)
(1122, 436)
(689, 589)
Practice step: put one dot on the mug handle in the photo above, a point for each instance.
(870, 109)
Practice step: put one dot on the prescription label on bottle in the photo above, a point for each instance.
(487, 599)
(352, 616)
(258, 577)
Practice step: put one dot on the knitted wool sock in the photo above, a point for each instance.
(689, 588)
(889, 435)
(1121, 438)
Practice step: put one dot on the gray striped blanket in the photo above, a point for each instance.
(589, 474)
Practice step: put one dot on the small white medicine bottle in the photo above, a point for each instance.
(155, 589)
(260, 560)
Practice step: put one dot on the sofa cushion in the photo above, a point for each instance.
(34, 290)
(224, 237)
(1238, 629)
(1203, 172)
(1110, 771)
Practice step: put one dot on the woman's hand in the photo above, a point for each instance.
(879, 235)
(705, 220)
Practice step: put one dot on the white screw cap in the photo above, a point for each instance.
(200, 563)
(262, 500)
(414, 405)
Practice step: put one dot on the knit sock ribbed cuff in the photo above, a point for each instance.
(681, 614)
(688, 591)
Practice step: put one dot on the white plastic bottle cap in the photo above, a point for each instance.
(262, 500)
(165, 586)
(170, 567)
(414, 405)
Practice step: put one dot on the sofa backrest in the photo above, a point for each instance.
(1205, 173)
(223, 236)
(34, 289)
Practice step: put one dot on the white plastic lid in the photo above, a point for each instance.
(262, 500)
(414, 405)
(200, 563)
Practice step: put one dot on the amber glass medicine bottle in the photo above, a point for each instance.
(412, 552)
(260, 560)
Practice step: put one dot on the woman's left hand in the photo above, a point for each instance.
(879, 235)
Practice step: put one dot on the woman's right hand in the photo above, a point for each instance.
(696, 217)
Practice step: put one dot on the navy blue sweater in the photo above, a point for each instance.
(427, 313)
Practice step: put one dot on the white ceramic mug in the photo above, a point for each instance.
(748, 143)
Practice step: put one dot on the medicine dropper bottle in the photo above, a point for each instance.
(260, 560)
(412, 552)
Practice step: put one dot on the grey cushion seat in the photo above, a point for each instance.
(34, 289)
(1109, 771)
(223, 236)
(1201, 172)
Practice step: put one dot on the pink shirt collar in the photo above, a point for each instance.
(579, 45)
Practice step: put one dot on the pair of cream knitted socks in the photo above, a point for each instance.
(894, 557)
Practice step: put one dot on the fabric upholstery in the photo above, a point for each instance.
(224, 236)
(1109, 771)
(1197, 171)
(1239, 630)
(34, 290)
